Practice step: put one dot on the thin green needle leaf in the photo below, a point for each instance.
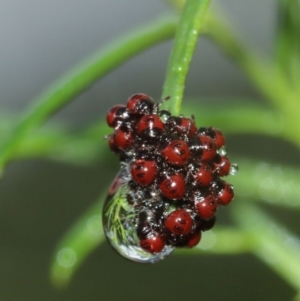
(184, 45)
(288, 40)
(83, 76)
(85, 235)
(271, 242)
(262, 73)
(220, 240)
(270, 183)
(57, 142)
(81, 148)
(238, 117)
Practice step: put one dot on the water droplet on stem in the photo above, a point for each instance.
(120, 224)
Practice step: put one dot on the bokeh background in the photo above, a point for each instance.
(40, 199)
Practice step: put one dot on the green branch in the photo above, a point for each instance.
(220, 240)
(237, 116)
(77, 244)
(184, 45)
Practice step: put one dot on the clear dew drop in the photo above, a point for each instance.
(164, 115)
(119, 222)
(222, 151)
(234, 168)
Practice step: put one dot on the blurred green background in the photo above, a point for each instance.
(40, 199)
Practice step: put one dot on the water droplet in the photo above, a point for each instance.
(222, 151)
(234, 168)
(177, 68)
(120, 217)
(164, 115)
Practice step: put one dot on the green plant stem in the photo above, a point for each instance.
(237, 117)
(265, 182)
(184, 45)
(82, 77)
(77, 244)
(221, 240)
(58, 142)
(270, 80)
(273, 244)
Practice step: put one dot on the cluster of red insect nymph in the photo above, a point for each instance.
(174, 172)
